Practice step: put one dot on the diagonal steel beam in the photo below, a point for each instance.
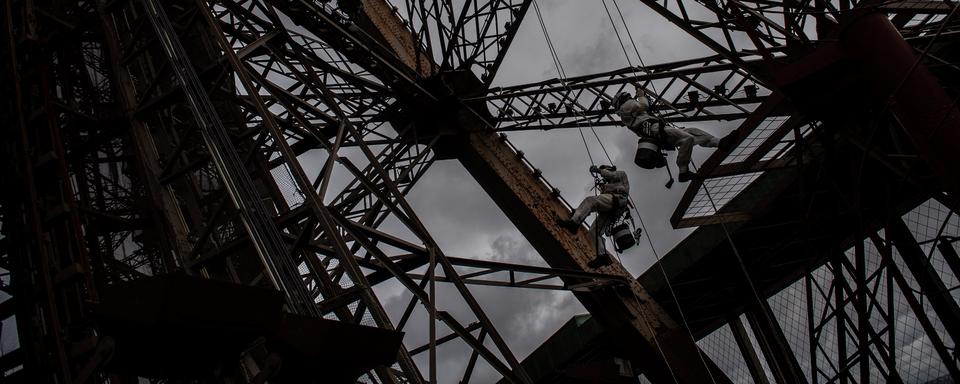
(483, 34)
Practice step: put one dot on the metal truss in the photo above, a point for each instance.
(874, 313)
(777, 30)
(264, 143)
(474, 37)
(706, 89)
(482, 34)
(325, 238)
(76, 208)
(776, 134)
(188, 158)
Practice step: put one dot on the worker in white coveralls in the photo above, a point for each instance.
(609, 204)
(634, 114)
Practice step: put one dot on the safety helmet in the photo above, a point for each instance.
(619, 99)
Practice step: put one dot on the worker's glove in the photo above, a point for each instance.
(594, 169)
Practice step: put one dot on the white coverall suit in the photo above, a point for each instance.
(633, 114)
(608, 204)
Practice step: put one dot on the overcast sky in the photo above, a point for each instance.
(466, 222)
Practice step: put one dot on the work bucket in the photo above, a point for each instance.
(648, 155)
(623, 237)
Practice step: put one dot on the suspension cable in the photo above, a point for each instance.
(559, 67)
(706, 189)
(563, 77)
(630, 35)
(726, 232)
(729, 237)
(673, 293)
(736, 253)
(617, 32)
(626, 27)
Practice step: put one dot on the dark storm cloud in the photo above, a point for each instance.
(464, 220)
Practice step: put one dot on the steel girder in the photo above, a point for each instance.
(275, 94)
(78, 201)
(282, 93)
(705, 89)
(324, 230)
(473, 37)
(779, 30)
(392, 54)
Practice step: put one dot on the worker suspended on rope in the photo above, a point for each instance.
(656, 135)
(609, 205)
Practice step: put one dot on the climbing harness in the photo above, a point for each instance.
(651, 151)
(622, 228)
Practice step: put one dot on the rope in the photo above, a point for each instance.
(617, 32)
(626, 27)
(636, 298)
(736, 252)
(559, 66)
(673, 293)
(629, 35)
(656, 341)
(633, 204)
(563, 77)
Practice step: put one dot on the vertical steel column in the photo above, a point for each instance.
(916, 306)
(812, 338)
(774, 345)
(839, 282)
(746, 350)
(262, 231)
(927, 277)
(949, 255)
(863, 316)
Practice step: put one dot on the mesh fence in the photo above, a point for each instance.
(725, 188)
(756, 347)
(721, 191)
(824, 308)
(716, 346)
(754, 139)
(790, 308)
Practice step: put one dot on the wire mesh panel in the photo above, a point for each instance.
(791, 311)
(763, 131)
(937, 229)
(863, 315)
(915, 349)
(764, 365)
(717, 193)
(717, 346)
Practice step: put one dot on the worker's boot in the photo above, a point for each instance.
(601, 260)
(570, 225)
(726, 142)
(686, 176)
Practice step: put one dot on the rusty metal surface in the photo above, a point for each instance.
(116, 177)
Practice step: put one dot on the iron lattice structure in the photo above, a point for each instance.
(149, 138)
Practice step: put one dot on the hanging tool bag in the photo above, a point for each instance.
(650, 147)
(623, 237)
(619, 229)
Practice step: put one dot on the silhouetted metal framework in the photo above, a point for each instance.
(264, 143)
(839, 200)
